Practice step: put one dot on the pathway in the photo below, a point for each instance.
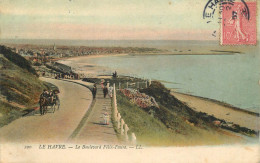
(94, 130)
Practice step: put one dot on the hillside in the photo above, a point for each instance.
(173, 123)
(19, 86)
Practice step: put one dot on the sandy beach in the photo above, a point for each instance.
(88, 69)
(229, 114)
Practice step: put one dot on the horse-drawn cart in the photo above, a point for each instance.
(51, 103)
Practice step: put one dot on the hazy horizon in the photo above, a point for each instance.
(161, 44)
(183, 45)
(113, 20)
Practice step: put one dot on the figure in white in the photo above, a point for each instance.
(236, 19)
(106, 118)
(110, 91)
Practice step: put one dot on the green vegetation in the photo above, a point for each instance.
(8, 113)
(149, 131)
(17, 59)
(176, 107)
(173, 123)
(171, 107)
(19, 86)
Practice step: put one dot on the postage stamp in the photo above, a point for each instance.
(238, 25)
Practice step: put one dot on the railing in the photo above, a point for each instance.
(121, 125)
(134, 85)
(68, 76)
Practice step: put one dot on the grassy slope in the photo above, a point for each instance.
(174, 122)
(19, 88)
(149, 130)
(17, 59)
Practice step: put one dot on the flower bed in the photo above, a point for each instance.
(141, 99)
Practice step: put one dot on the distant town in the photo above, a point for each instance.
(41, 54)
(44, 57)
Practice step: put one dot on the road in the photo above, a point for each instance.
(51, 127)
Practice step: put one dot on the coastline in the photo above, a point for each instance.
(220, 110)
(218, 102)
(92, 69)
(91, 56)
(211, 52)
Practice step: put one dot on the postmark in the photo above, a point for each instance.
(237, 20)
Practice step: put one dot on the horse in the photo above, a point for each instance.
(55, 102)
(43, 105)
(48, 101)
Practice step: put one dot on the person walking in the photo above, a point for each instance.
(106, 118)
(110, 91)
(94, 91)
(105, 91)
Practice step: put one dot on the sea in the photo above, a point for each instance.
(233, 79)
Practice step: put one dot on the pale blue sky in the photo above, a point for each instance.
(105, 19)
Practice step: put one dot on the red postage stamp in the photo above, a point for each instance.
(239, 24)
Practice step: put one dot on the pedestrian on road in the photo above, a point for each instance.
(106, 118)
(110, 91)
(94, 91)
(105, 91)
(102, 84)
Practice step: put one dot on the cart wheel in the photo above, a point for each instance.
(58, 103)
(45, 110)
(53, 108)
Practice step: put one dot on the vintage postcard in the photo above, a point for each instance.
(129, 81)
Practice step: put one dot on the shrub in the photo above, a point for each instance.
(17, 59)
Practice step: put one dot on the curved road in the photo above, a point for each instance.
(51, 128)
